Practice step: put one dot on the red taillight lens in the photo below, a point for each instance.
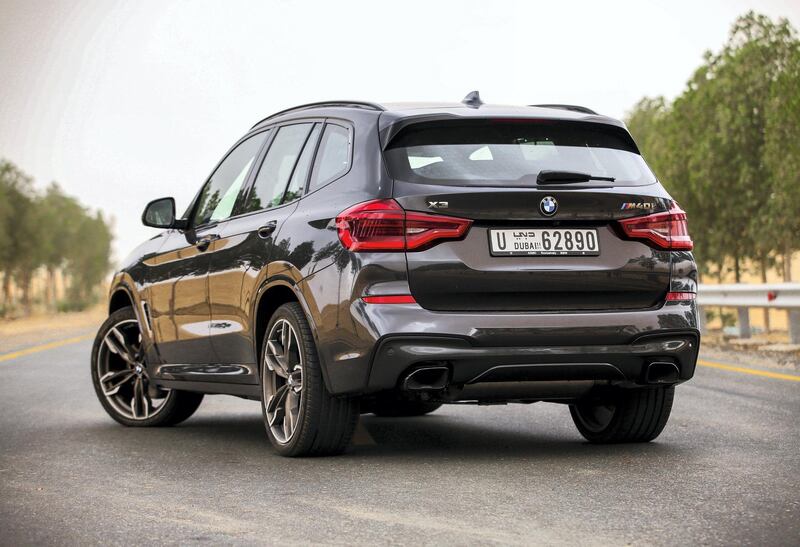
(382, 225)
(678, 296)
(377, 225)
(389, 299)
(664, 230)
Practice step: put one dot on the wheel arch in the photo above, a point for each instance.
(120, 298)
(122, 295)
(273, 293)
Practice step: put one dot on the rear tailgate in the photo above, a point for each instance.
(453, 173)
(464, 276)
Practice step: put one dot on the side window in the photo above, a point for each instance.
(219, 194)
(278, 166)
(301, 170)
(333, 158)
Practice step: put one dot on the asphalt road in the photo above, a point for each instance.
(725, 471)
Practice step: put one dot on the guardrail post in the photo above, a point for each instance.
(743, 322)
(701, 319)
(743, 297)
(794, 326)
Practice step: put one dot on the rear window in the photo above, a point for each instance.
(513, 152)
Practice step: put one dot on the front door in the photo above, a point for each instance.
(179, 297)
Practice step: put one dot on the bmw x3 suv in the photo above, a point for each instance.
(351, 257)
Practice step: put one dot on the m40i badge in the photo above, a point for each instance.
(643, 205)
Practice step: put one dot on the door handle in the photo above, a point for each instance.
(266, 230)
(203, 243)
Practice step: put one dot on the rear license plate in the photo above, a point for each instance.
(544, 242)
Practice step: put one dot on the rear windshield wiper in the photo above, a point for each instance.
(567, 177)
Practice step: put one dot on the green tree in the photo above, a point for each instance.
(755, 56)
(60, 219)
(88, 262)
(711, 145)
(19, 250)
(52, 231)
(646, 122)
(782, 159)
(6, 211)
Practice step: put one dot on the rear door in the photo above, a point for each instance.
(533, 245)
(251, 240)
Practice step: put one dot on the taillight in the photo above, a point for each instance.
(389, 299)
(663, 230)
(680, 296)
(382, 225)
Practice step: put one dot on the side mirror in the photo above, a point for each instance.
(160, 213)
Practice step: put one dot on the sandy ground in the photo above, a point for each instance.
(30, 331)
(753, 351)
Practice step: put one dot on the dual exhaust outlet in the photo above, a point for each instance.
(436, 377)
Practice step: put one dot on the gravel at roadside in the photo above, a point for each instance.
(751, 357)
(23, 333)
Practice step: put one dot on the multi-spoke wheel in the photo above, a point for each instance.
(283, 388)
(300, 416)
(123, 377)
(122, 382)
(627, 415)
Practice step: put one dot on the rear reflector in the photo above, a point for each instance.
(390, 299)
(382, 225)
(675, 296)
(662, 230)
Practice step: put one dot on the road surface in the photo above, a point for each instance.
(725, 471)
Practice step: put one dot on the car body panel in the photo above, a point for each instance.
(239, 256)
(178, 298)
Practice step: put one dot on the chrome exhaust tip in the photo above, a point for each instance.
(427, 379)
(662, 372)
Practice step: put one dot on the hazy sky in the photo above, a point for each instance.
(123, 102)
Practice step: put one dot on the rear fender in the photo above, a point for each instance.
(286, 275)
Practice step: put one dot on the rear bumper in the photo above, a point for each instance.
(389, 341)
(623, 364)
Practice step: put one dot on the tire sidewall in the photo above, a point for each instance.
(639, 416)
(300, 439)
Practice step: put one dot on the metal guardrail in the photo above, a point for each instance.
(744, 296)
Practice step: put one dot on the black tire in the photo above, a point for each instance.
(325, 423)
(626, 416)
(177, 405)
(393, 407)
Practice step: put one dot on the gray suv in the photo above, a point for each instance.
(351, 257)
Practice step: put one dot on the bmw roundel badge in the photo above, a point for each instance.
(548, 206)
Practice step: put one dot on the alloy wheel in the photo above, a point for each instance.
(122, 371)
(283, 380)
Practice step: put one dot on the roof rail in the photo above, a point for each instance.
(572, 107)
(345, 104)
